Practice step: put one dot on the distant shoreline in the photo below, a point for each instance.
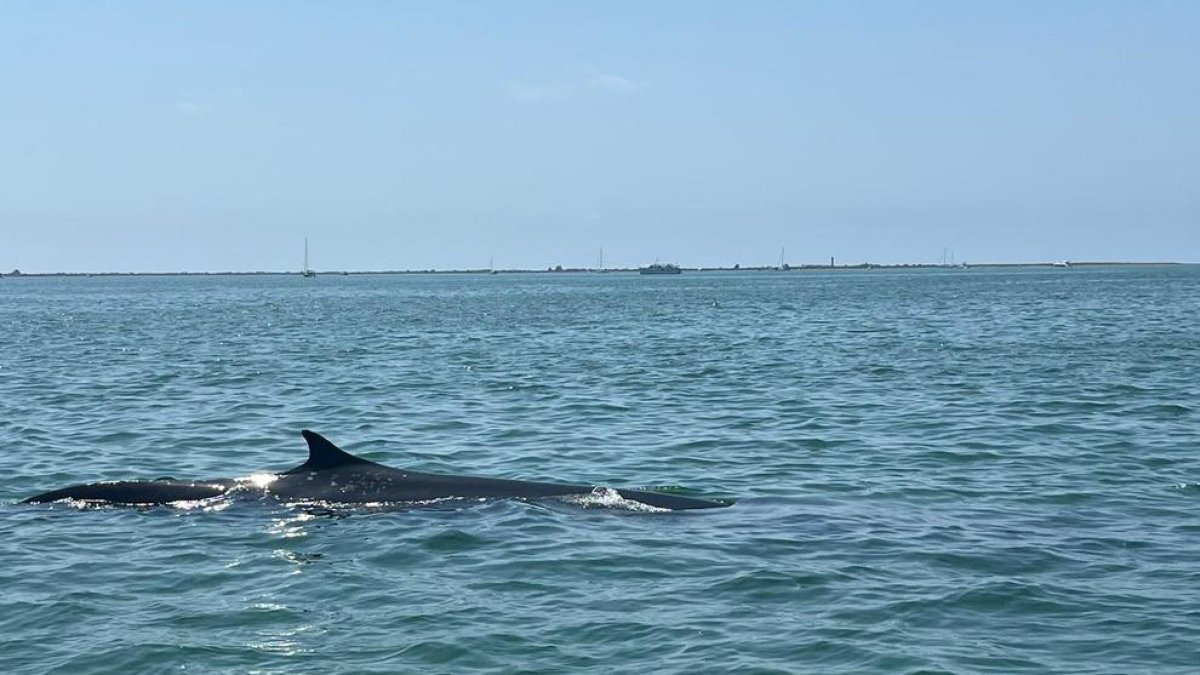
(614, 270)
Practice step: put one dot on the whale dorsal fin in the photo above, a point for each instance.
(322, 454)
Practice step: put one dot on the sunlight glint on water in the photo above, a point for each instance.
(936, 471)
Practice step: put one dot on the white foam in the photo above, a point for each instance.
(218, 503)
(608, 498)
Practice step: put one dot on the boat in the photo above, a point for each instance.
(307, 273)
(659, 268)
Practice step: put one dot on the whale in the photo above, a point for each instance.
(331, 475)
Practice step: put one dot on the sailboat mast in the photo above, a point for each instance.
(306, 272)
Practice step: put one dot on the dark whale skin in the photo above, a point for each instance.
(333, 475)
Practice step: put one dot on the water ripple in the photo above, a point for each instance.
(936, 472)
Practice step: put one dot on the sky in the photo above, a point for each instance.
(217, 136)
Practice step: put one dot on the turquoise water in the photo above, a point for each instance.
(936, 471)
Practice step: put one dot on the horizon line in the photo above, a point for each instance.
(568, 270)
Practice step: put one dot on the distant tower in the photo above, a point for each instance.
(831, 261)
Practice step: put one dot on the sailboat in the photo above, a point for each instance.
(306, 272)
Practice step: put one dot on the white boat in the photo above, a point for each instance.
(306, 272)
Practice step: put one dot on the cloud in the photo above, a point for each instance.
(591, 81)
(190, 107)
(598, 80)
(206, 102)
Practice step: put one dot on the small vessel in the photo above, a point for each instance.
(659, 268)
(306, 272)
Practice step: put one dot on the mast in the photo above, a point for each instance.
(306, 272)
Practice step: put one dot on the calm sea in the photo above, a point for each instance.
(960, 471)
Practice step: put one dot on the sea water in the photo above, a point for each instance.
(962, 471)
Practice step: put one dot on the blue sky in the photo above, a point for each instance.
(216, 136)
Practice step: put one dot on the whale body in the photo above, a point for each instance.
(332, 475)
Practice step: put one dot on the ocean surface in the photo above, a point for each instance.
(936, 471)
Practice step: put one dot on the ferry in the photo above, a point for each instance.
(659, 268)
